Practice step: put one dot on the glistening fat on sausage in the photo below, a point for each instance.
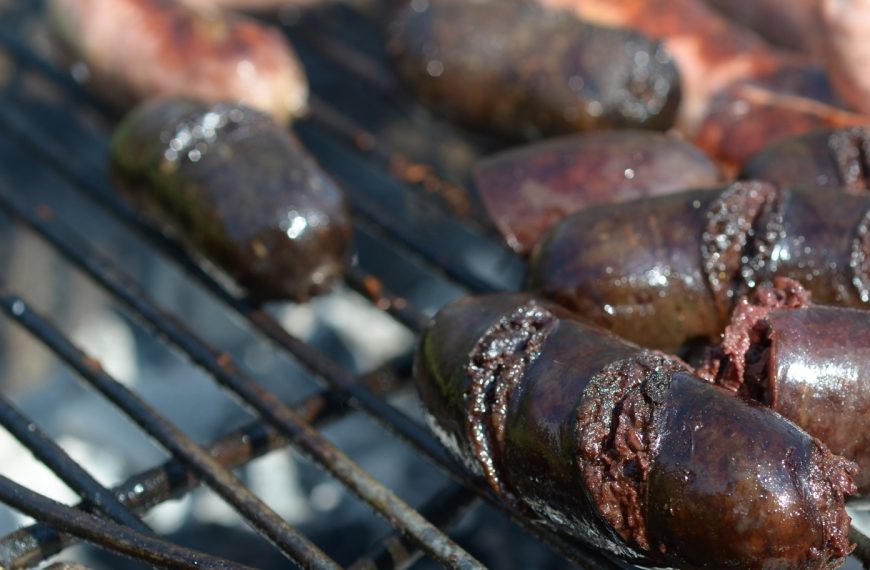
(238, 189)
(514, 68)
(667, 270)
(808, 362)
(625, 448)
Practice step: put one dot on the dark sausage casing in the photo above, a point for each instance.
(237, 188)
(808, 362)
(667, 270)
(624, 448)
(835, 159)
(529, 189)
(520, 70)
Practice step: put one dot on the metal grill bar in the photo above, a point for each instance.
(395, 306)
(403, 168)
(265, 324)
(381, 412)
(102, 271)
(395, 552)
(37, 542)
(223, 369)
(221, 480)
(107, 534)
(351, 60)
(413, 245)
(82, 177)
(51, 454)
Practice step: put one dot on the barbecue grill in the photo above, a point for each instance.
(419, 243)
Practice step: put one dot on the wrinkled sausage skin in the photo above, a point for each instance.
(516, 69)
(238, 189)
(593, 436)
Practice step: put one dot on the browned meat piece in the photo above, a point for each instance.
(139, 49)
(844, 44)
(667, 270)
(527, 190)
(827, 159)
(788, 23)
(808, 362)
(519, 70)
(624, 448)
(748, 116)
(711, 52)
(238, 189)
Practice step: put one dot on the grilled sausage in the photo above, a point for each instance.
(139, 49)
(750, 115)
(739, 93)
(837, 159)
(667, 270)
(711, 52)
(238, 189)
(521, 71)
(624, 448)
(808, 362)
(527, 190)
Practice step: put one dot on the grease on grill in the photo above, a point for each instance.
(238, 189)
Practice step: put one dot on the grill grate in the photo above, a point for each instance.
(448, 249)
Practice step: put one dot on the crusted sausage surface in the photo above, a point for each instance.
(624, 448)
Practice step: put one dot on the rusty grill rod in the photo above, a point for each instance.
(107, 534)
(445, 509)
(103, 271)
(397, 307)
(386, 415)
(95, 496)
(83, 178)
(417, 247)
(221, 480)
(99, 268)
(455, 197)
(222, 369)
(30, 545)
